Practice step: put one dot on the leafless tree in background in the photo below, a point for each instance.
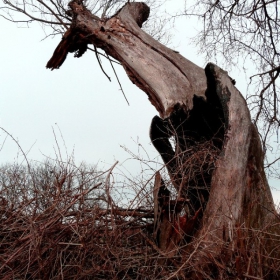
(54, 15)
(246, 33)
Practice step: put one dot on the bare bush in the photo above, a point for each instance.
(59, 221)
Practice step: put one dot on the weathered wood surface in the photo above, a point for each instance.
(203, 107)
(164, 75)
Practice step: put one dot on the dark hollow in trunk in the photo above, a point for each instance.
(199, 136)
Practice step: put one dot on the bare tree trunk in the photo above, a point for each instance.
(224, 208)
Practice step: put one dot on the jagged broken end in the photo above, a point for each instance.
(139, 11)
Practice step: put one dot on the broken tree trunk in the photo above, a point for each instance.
(224, 208)
(143, 58)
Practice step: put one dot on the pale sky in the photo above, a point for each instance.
(78, 99)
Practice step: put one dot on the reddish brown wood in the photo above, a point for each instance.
(240, 199)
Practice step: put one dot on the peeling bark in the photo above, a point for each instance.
(217, 164)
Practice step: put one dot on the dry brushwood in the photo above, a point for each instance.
(58, 223)
(55, 224)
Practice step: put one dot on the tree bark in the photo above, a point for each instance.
(142, 57)
(224, 208)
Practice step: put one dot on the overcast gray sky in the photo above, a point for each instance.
(78, 99)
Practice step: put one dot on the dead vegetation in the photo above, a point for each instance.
(59, 221)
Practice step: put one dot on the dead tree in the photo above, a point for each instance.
(216, 167)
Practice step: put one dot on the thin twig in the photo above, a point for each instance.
(118, 80)
(99, 62)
